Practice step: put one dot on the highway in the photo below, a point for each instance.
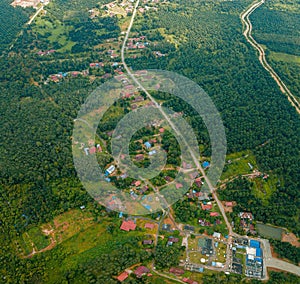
(262, 57)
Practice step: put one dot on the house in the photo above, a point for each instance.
(138, 99)
(128, 226)
(137, 183)
(194, 175)
(166, 227)
(122, 276)
(172, 240)
(178, 185)
(144, 189)
(151, 153)
(189, 228)
(206, 206)
(217, 235)
(203, 222)
(147, 145)
(167, 178)
(141, 271)
(110, 170)
(176, 271)
(228, 203)
(161, 130)
(92, 150)
(99, 148)
(205, 164)
(139, 157)
(149, 226)
(198, 182)
(214, 214)
(189, 281)
(246, 215)
(147, 242)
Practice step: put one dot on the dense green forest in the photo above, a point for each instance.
(12, 21)
(276, 25)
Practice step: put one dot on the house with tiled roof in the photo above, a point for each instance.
(128, 226)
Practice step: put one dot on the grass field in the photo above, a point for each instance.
(239, 164)
(220, 252)
(289, 58)
(268, 231)
(195, 257)
(39, 239)
(265, 188)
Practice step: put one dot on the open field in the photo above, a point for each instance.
(289, 58)
(238, 164)
(268, 231)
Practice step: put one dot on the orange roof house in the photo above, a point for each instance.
(128, 225)
(206, 206)
(122, 276)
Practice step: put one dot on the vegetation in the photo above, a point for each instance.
(12, 22)
(286, 250)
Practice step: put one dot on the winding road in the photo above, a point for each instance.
(262, 57)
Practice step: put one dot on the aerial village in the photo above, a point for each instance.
(205, 240)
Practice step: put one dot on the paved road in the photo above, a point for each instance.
(262, 57)
(283, 265)
(245, 18)
(37, 12)
(212, 189)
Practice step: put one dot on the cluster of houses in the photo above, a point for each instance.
(246, 222)
(137, 43)
(46, 52)
(123, 8)
(139, 272)
(61, 75)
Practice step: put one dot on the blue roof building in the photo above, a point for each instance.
(258, 252)
(254, 244)
(205, 164)
(147, 145)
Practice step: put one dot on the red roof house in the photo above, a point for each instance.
(149, 226)
(190, 281)
(206, 206)
(140, 271)
(214, 214)
(122, 276)
(176, 271)
(128, 225)
(229, 203)
(178, 185)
